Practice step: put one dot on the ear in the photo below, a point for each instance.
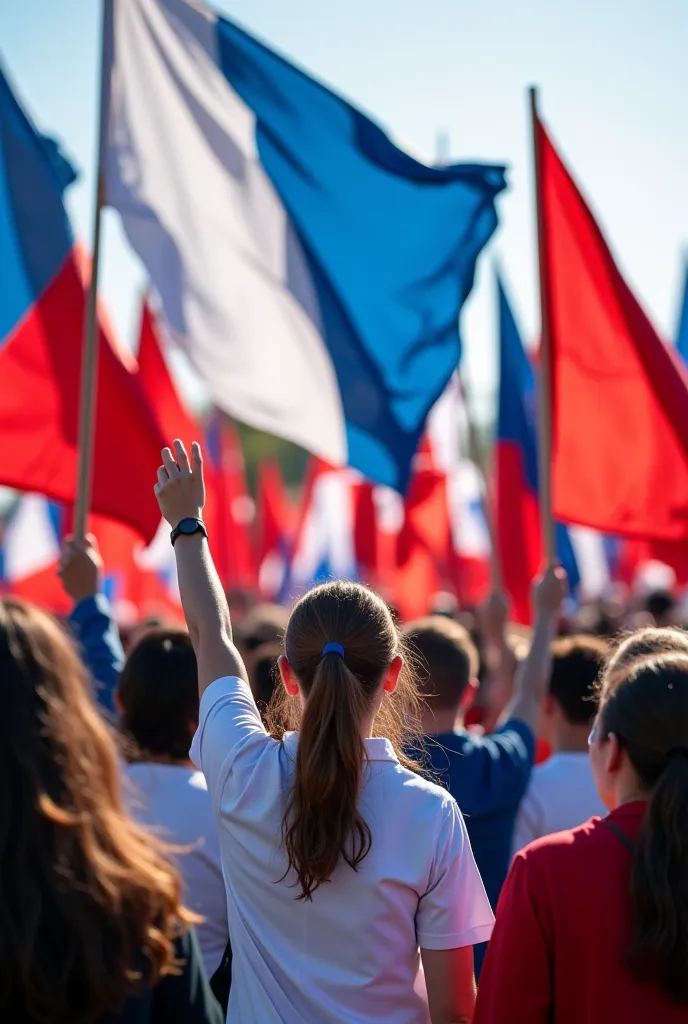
(613, 754)
(288, 679)
(117, 701)
(392, 675)
(468, 695)
(548, 705)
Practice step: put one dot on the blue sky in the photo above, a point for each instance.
(613, 77)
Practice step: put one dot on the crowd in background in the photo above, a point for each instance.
(134, 870)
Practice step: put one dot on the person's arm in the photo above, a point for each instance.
(516, 979)
(450, 984)
(91, 618)
(181, 495)
(452, 916)
(532, 676)
(498, 657)
(186, 998)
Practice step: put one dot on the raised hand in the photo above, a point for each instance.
(80, 568)
(180, 489)
(551, 590)
(495, 613)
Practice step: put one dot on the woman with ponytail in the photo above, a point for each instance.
(592, 924)
(352, 891)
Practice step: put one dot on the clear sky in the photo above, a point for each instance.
(614, 85)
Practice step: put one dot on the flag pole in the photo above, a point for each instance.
(545, 374)
(89, 363)
(486, 496)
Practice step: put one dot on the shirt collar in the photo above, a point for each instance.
(633, 810)
(378, 748)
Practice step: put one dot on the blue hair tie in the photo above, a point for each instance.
(333, 648)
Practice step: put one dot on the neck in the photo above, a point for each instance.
(438, 720)
(570, 739)
(630, 789)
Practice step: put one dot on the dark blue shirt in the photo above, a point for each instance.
(487, 776)
(101, 648)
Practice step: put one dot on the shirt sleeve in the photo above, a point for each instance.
(455, 910)
(230, 738)
(96, 631)
(516, 980)
(501, 765)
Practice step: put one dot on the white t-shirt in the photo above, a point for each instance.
(351, 955)
(561, 794)
(173, 801)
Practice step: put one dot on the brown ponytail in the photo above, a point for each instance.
(322, 823)
(646, 707)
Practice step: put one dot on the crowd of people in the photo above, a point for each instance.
(326, 815)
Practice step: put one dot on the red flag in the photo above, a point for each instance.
(158, 386)
(228, 508)
(275, 521)
(39, 410)
(232, 505)
(619, 396)
(424, 544)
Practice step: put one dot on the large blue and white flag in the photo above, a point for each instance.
(313, 271)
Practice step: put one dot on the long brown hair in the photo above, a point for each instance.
(322, 823)
(89, 906)
(645, 705)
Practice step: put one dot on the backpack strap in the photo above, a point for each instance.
(617, 831)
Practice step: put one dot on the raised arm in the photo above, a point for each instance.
(532, 676)
(181, 495)
(91, 617)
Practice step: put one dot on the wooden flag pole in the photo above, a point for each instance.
(89, 364)
(545, 374)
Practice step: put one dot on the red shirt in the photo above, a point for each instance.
(564, 925)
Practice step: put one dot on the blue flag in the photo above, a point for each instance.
(313, 271)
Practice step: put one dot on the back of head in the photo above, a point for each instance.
(449, 659)
(264, 624)
(322, 823)
(645, 705)
(264, 677)
(83, 891)
(576, 664)
(643, 642)
(662, 605)
(158, 695)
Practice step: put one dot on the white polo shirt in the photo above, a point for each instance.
(561, 795)
(351, 956)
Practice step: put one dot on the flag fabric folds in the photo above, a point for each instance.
(229, 505)
(324, 546)
(517, 513)
(313, 271)
(275, 522)
(41, 326)
(619, 395)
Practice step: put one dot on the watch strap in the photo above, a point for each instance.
(187, 527)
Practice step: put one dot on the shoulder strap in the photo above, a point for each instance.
(617, 831)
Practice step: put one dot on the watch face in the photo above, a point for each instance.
(188, 526)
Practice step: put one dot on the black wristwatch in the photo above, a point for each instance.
(187, 527)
